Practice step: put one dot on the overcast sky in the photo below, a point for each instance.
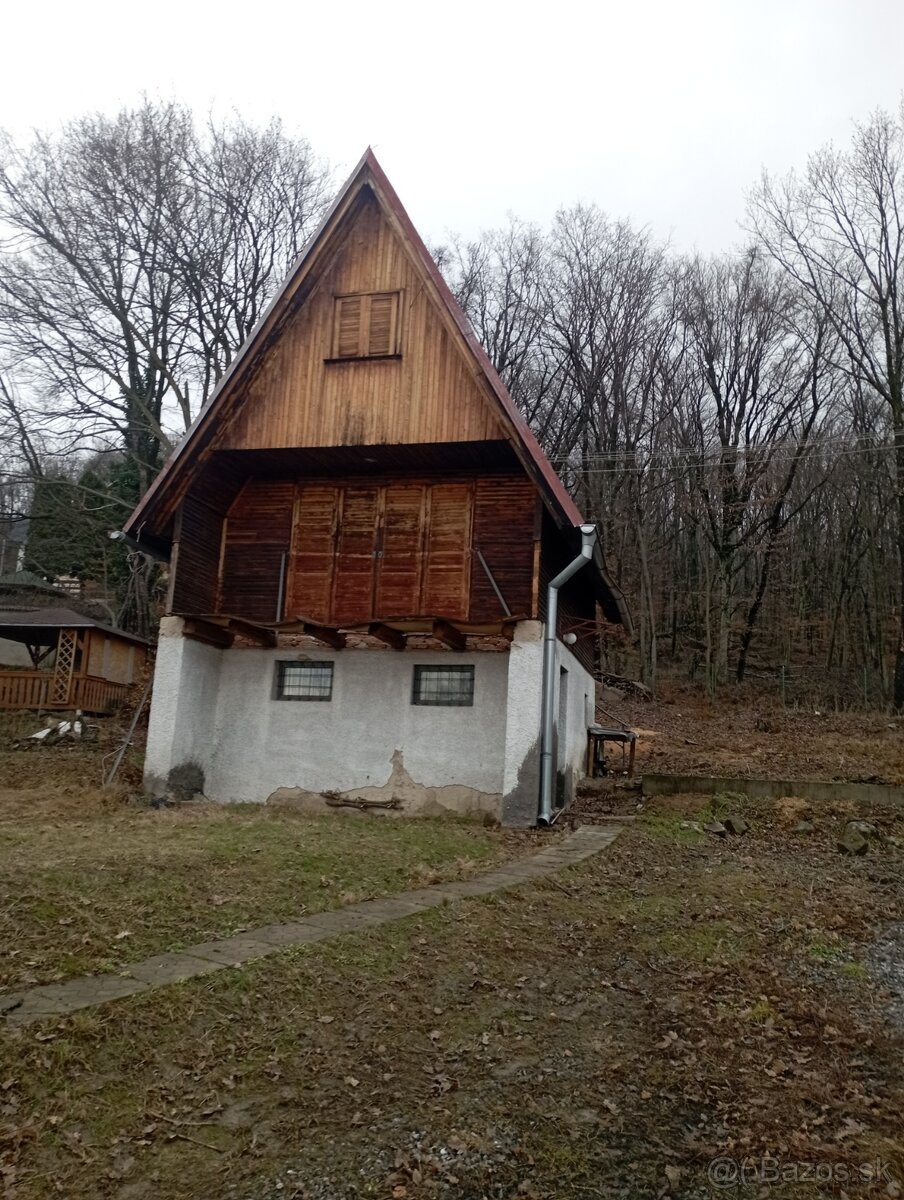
(661, 111)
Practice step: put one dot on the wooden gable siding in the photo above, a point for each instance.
(429, 393)
(351, 552)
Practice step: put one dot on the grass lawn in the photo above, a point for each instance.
(90, 882)
(97, 892)
(607, 1032)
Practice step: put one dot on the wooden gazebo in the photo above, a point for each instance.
(77, 662)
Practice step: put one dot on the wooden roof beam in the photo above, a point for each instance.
(328, 634)
(205, 631)
(323, 633)
(255, 633)
(388, 635)
(449, 635)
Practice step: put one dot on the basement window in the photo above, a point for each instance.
(447, 687)
(304, 681)
(366, 326)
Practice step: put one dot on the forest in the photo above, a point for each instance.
(734, 423)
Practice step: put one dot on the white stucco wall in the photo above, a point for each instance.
(367, 735)
(215, 708)
(521, 779)
(183, 706)
(580, 706)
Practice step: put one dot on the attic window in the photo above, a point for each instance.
(366, 326)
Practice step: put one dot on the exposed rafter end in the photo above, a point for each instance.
(388, 635)
(205, 631)
(449, 635)
(333, 638)
(255, 633)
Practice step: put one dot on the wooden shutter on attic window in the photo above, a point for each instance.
(366, 326)
(347, 331)
(383, 318)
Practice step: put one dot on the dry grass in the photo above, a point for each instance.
(606, 1033)
(684, 734)
(106, 887)
(92, 880)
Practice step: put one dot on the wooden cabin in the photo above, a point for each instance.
(360, 521)
(75, 661)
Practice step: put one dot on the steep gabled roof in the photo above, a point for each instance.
(369, 173)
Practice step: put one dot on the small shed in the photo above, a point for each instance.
(77, 662)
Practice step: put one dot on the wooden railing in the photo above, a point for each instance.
(32, 689)
(93, 695)
(24, 689)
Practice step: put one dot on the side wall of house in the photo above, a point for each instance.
(573, 705)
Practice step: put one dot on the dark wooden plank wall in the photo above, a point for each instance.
(196, 562)
(355, 564)
(505, 516)
(447, 550)
(365, 552)
(399, 579)
(258, 532)
(309, 582)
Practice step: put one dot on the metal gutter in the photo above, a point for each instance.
(545, 814)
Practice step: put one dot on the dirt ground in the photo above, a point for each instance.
(686, 1015)
(682, 1009)
(684, 734)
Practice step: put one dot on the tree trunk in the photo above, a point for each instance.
(898, 693)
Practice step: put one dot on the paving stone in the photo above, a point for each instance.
(526, 870)
(342, 920)
(32, 1006)
(393, 907)
(428, 896)
(11, 1000)
(232, 951)
(292, 933)
(463, 888)
(501, 880)
(170, 968)
(57, 999)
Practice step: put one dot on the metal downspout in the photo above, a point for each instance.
(545, 814)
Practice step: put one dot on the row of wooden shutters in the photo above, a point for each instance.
(374, 553)
(356, 553)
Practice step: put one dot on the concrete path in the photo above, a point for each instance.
(58, 999)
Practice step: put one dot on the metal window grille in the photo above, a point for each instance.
(446, 686)
(304, 681)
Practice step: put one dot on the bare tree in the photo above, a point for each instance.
(839, 232)
(139, 252)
